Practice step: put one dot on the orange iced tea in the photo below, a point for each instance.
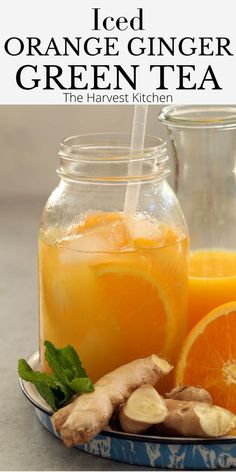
(115, 287)
(212, 281)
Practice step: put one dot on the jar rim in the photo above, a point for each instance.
(199, 116)
(107, 147)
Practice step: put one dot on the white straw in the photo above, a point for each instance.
(135, 167)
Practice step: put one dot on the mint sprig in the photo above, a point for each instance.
(67, 367)
(68, 376)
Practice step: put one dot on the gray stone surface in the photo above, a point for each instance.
(24, 443)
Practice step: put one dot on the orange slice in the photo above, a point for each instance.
(208, 356)
(139, 306)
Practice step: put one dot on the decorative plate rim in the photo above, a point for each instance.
(119, 434)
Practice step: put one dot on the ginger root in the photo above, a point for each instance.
(197, 419)
(190, 393)
(144, 408)
(89, 413)
(189, 418)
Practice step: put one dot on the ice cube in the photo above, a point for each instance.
(144, 227)
(87, 247)
(91, 241)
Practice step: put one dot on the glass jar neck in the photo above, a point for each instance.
(107, 159)
(203, 144)
(199, 117)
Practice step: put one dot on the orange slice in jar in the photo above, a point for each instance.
(135, 301)
(139, 306)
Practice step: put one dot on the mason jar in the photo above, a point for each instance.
(112, 275)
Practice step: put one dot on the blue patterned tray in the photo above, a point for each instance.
(159, 452)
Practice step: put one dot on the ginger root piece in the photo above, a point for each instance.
(197, 419)
(89, 413)
(59, 419)
(143, 408)
(190, 393)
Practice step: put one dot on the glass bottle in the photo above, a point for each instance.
(113, 283)
(203, 143)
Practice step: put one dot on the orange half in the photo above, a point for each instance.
(208, 356)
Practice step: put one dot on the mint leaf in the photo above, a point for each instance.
(72, 357)
(59, 365)
(68, 368)
(82, 385)
(50, 395)
(68, 376)
(53, 392)
(28, 374)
